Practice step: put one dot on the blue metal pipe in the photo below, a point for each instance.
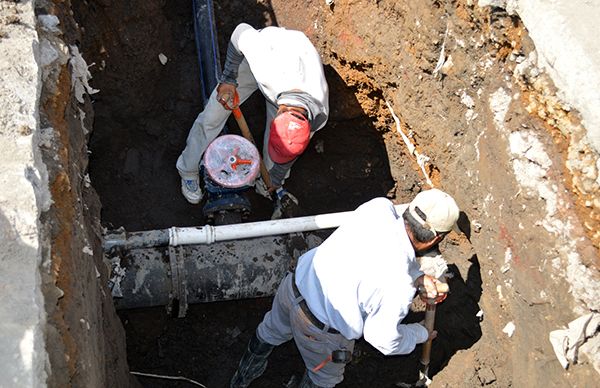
(205, 32)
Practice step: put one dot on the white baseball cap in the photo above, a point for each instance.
(439, 208)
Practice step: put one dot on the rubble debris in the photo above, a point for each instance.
(479, 315)
(80, 75)
(163, 59)
(509, 329)
(567, 342)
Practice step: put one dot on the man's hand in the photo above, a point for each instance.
(225, 96)
(431, 289)
(286, 205)
(261, 188)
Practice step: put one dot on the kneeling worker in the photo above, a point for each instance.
(286, 68)
(361, 281)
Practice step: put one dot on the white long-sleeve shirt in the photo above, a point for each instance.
(361, 279)
(282, 61)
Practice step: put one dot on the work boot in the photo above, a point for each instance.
(252, 364)
(307, 382)
(190, 188)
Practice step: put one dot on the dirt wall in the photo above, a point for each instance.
(85, 340)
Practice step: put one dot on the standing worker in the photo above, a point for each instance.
(360, 282)
(287, 69)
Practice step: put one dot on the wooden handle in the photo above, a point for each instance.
(429, 323)
(442, 288)
(239, 117)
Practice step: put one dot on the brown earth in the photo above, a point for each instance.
(83, 336)
(374, 51)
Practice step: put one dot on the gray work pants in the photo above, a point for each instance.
(286, 321)
(211, 121)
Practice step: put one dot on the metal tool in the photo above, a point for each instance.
(426, 355)
(340, 356)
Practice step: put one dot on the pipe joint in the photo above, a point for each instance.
(186, 236)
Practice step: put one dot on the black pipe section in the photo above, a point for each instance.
(229, 270)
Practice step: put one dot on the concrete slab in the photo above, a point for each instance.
(23, 195)
(565, 34)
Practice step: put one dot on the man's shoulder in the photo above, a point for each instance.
(381, 204)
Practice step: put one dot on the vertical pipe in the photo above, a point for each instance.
(206, 45)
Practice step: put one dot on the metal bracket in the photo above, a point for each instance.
(178, 282)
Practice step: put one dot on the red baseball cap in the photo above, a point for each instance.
(289, 137)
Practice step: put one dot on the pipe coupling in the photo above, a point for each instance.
(195, 235)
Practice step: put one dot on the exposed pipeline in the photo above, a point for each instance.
(177, 266)
(209, 234)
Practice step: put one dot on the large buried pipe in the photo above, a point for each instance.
(177, 266)
(176, 276)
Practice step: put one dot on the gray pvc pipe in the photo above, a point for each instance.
(208, 234)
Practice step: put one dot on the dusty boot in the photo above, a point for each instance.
(252, 364)
(307, 382)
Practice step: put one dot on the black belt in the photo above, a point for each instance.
(314, 320)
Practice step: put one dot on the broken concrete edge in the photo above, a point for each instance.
(560, 27)
(47, 339)
(569, 51)
(24, 196)
(554, 31)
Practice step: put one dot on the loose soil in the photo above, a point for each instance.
(373, 52)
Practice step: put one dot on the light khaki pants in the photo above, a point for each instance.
(286, 321)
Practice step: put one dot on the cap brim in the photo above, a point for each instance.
(278, 158)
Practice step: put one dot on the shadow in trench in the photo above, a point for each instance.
(346, 163)
(456, 318)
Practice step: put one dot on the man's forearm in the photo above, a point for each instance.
(232, 64)
(278, 173)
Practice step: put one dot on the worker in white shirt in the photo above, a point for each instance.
(285, 66)
(361, 281)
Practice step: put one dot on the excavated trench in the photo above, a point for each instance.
(375, 54)
(142, 117)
